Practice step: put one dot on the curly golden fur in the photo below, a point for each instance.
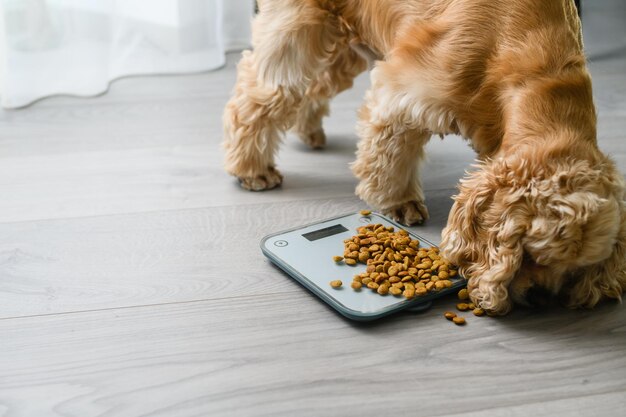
(542, 214)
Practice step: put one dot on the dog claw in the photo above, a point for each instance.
(266, 181)
(409, 213)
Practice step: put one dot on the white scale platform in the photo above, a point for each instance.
(305, 253)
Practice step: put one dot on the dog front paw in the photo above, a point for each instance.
(272, 178)
(409, 213)
(490, 298)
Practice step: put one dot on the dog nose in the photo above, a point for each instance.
(538, 296)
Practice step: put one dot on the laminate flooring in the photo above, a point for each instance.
(132, 284)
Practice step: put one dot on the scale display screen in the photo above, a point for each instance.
(325, 232)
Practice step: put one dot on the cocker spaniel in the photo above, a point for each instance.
(542, 213)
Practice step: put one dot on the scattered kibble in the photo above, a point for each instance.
(336, 283)
(337, 258)
(458, 320)
(462, 306)
(356, 285)
(463, 294)
(365, 212)
(449, 315)
(478, 311)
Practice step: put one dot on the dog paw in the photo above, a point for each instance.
(486, 297)
(316, 140)
(266, 181)
(409, 213)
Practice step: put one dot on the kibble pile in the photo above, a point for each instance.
(395, 263)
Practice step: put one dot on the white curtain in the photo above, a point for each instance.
(78, 47)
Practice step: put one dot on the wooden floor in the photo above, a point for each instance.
(132, 284)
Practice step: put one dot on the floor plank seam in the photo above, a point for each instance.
(200, 300)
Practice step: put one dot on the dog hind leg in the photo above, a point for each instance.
(339, 76)
(294, 41)
(308, 124)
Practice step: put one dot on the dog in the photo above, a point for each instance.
(541, 215)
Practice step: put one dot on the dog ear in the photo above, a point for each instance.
(604, 279)
(461, 238)
(608, 277)
(573, 228)
(579, 227)
(484, 235)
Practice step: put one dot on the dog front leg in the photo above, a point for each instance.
(388, 159)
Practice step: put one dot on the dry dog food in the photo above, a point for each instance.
(449, 315)
(463, 295)
(365, 212)
(396, 264)
(458, 320)
(462, 306)
(336, 283)
(478, 311)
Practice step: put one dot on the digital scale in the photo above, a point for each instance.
(305, 253)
